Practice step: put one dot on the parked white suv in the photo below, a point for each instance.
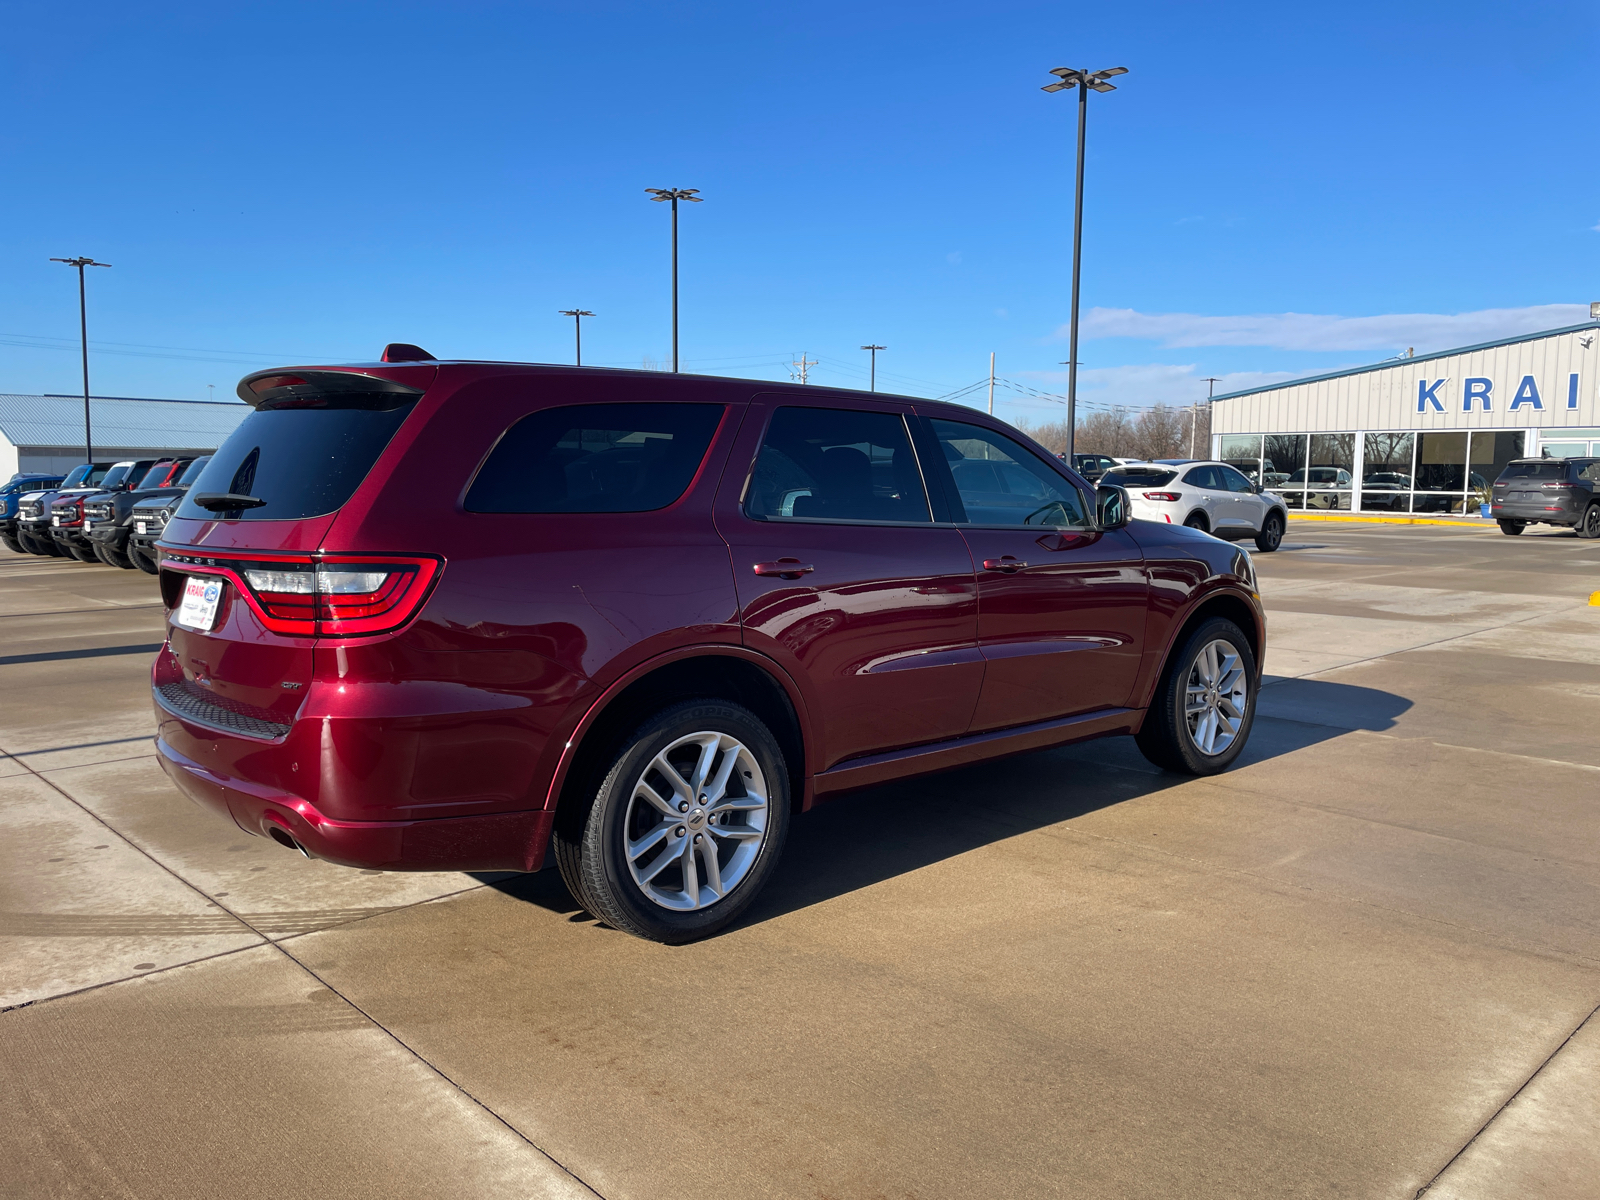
(1211, 496)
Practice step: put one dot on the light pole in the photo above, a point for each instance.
(1212, 380)
(83, 334)
(577, 315)
(674, 195)
(1070, 77)
(874, 375)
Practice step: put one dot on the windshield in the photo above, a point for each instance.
(194, 470)
(1534, 470)
(154, 476)
(76, 476)
(113, 477)
(1138, 477)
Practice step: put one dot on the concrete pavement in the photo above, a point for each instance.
(1363, 963)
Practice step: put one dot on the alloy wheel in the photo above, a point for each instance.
(695, 822)
(1215, 697)
(1590, 528)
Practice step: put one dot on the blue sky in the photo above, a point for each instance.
(288, 183)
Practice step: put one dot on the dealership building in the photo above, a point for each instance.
(1420, 434)
(45, 433)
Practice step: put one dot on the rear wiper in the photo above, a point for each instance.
(213, 502)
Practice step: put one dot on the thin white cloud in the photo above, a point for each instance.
(1311, 331)
(1143, 384)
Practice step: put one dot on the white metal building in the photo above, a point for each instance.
(1418, 434)
(45, 433)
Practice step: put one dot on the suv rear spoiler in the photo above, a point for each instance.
(319, 388)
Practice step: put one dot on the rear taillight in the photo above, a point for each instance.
(1169, 497)
(334, 595)
(1560, 485)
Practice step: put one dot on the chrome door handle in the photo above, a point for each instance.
(1004, 563)
(784, 568)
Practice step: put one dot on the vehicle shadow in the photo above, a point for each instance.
(876, 834)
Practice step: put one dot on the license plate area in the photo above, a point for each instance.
(202, 595)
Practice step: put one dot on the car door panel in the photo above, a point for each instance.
(1061, 608)
(880, 626)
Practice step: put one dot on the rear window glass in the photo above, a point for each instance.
(1534, 470)
(1136, 477)
(595, 458)
(836, 464)
(194, 470)
(302, 462)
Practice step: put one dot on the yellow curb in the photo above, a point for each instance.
(1365, 520)
(1594, 599)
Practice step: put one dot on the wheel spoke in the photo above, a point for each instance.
(713, 869)
(719, 785)
(739, 833)
(681, 787)
(738, 803)
(654, 837)
(691, 878)
(1228, 708)
(662, 861)
(708, 754)
(654, 798)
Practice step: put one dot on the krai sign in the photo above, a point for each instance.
(1477, 394)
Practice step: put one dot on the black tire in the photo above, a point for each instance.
(82, 553)
(590, 843)
(113, 557)
(142, 560)
(12, 544)
(1165, 738)
(1512, 528)
(43, 547)
(1589, 523)
(1197, 520)
(1271, 535)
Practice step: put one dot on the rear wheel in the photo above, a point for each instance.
(142, 560)
(1512, 528)
(1205, 704)
(1589, 526)
(686, 827)
(1197, 520)
(1271, 535)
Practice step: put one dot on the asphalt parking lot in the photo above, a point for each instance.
(1363, 963)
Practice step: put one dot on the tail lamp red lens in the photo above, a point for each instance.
(1170, 497)
(327, 596)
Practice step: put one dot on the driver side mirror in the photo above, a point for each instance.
(1112, 508)
(1257, 488)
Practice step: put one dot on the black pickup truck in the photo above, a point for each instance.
(33, 508)
(108, 517)
(66, 510)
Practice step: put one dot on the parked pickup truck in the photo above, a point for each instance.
(108, 516)
(11, 493)
(33, 508)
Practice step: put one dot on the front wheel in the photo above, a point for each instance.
(1589, 525)
(685, 829)
(1271, 535)
(142, 560)
(82, 553)
(1512, 528)
(1205, 704)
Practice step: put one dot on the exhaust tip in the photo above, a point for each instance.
(282, 837)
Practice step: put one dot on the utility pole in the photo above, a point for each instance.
(674, 195)
(991, 383)
(1068, 77)
(801, 367)
(1211, 389)
(83, 333)
(577, 315)
(874, 349)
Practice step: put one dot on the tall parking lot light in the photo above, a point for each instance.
(674, 195)
(83, 334)
(577, 315)
(1084, 81)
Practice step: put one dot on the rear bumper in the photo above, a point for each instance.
(1534, 512)
(514, 841)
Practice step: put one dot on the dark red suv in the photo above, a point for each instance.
(458, 616)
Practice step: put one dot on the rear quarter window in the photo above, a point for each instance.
(595, 458)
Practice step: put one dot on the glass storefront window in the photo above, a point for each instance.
(1386, 471)
(1441, 477)
(1330, 471)
(1283, 466)
(1243, 453)
(1490, 454)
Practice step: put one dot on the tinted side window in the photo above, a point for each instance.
(1233, 480)
(1203, 477)
(595, 458)
(1590, 471)
(1001, 482)
(837, 464)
